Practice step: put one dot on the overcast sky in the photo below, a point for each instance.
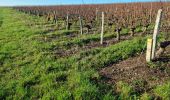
(59, 2)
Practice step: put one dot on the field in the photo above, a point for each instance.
(42, 59)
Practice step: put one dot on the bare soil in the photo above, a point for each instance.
(136, 69)
(88, 46)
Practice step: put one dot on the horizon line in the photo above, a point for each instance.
(156, 1)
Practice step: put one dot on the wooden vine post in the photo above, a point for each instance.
(97, 23)
(97, 14)
(149, 50)
(102, 30)
(67, 22)
(156, 31)
(81, 25)
(151, 13)
(118, 34)
(55, 18)
(152, 43)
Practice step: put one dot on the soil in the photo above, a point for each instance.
(94, 44)
(136, 69)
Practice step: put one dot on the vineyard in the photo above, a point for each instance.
(119, 15)
(84, 52)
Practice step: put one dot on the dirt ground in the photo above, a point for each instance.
(91, 45)
(135, 70)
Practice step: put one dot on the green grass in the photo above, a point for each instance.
(163, 91)
(29, 70)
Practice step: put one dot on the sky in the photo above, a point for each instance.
(61, 2)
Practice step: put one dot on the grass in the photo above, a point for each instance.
(163, 91)
(29, 69)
